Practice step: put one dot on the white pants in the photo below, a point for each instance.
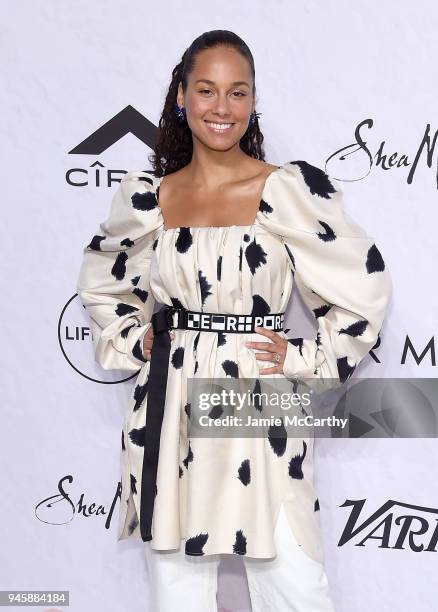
(291, 582)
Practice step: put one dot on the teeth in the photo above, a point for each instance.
(219, 126)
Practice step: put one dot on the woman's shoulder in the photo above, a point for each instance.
(309, 178)
(137, 178)
(304, 197)
(133, 214)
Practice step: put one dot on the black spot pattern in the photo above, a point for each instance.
(140, 293)
(95, 243)
(277, 436)
(177, 358)
(255, 396)
(176, 303)
(137, 436)
(188, 458)
(264, 207)
(137, 351)
(260, 306)
(321, 311)
(255, 256)
(119, 268)
(316, 179)
(123, 441)
(329, 234)
(204, 286)
(184, 240)
(219, 267)
(216, 412)
(133, 484)
(195, 544)
(355, 329)
(125, 331)
(187, 409)
(124, 309)
(140, 392)
(144, 201)
(230, 368)
(239, 546)
(345, 370)
(195, 343)
(296, 464)
(221, 339)
(374, 261)
(316, 506)
(244, 472)
(127, 242)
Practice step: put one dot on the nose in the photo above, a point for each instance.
(221, 106)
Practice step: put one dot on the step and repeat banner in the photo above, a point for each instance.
(346, 87)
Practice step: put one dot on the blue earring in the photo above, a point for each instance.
(252, 118)
(180, 112)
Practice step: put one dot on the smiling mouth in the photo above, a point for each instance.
(219, 128)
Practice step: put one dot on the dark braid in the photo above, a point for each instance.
(174, 145)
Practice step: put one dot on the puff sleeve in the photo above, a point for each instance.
(338, 270)
(113, 283)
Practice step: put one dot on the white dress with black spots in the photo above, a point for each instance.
(223, 494)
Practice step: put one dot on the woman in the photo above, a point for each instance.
(226, 234)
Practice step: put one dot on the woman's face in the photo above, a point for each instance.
(219, 91)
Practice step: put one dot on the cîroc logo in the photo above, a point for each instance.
(395, 525)
(127, 121)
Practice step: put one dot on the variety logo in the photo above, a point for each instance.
(395, 525)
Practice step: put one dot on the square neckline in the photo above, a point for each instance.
(223, 227)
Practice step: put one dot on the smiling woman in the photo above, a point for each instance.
(220, 237)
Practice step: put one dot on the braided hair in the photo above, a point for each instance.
(174, 145)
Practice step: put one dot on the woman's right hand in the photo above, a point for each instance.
(148, 340)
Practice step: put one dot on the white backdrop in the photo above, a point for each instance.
(322, 70)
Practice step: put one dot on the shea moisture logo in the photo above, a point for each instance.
(395, 525)
(61, 507)
(386, 161)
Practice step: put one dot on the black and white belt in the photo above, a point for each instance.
(169, 317)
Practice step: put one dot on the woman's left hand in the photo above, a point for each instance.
(277, 344)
